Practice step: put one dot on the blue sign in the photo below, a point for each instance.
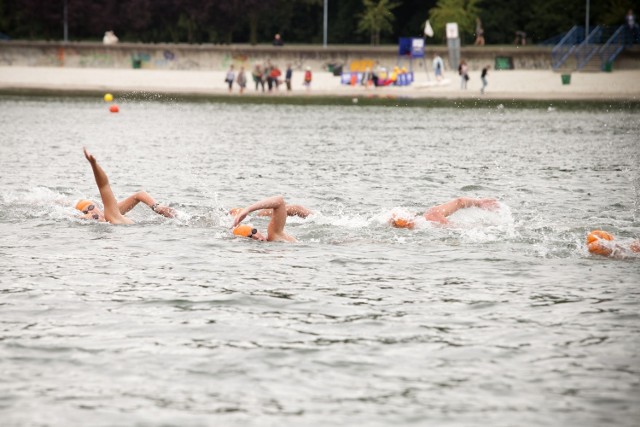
(411, 46)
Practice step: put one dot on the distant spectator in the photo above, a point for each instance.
(438, 66)
(479, 33)
(632, 26)
(241, 80)
(287, 76)
(308, 76)
(277, 40)
(521, 38)
(463, 71)
(258, 76)
(109, 38)
(275, 74)
(229, 79)
(483, 77)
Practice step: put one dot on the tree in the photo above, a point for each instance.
(464, 12)
(377, 18)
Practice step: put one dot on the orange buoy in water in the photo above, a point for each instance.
(114, 108)
(595, 244)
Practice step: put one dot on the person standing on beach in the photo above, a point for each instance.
(287, 77)
(463, 70)
(438, 66)
(114, 211)
(230, 78)
(258, 76)
(242, 80)
(483, 77)
(307, 78)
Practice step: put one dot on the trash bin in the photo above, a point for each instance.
(566, 79)
(136, 63)
(608, 66)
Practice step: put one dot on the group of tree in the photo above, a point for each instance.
(298, 21)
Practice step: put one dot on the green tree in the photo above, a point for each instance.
(464, 12)
(377, 18)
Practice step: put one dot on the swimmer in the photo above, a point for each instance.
(113, 210)
(292, 210)
(275, 229)
(440, 213)
(602, 243)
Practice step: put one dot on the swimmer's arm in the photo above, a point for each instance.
(111, 212)
(278, 217)
(142, 196)
(441, 212)
(292, 210)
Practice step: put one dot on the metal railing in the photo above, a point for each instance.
(588, 48)
(609, 51)
(565, 47)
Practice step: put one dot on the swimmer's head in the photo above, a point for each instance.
(398, 222)
(89, 210)
(83, 203)
(248, 231)
(596, 244)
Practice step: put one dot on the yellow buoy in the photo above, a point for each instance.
(108, 97)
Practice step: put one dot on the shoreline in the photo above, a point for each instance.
(513, 86)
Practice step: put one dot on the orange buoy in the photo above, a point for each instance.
(595, 244)
(114, 108)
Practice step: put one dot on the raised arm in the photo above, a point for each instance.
(111, 212)
(275, 228)
(142, 196)
(441, 212)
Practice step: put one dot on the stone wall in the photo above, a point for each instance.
(215, 57)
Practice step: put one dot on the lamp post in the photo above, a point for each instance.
(65, 21)
(586, 23)
(324, 23)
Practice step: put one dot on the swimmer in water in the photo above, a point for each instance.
(440, 213)
(113, 210)
(602, 243)
(275, 229)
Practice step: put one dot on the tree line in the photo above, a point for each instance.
(299, 21)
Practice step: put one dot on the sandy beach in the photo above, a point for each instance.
(512, 84)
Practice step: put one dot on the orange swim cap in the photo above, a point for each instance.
(596, 246)
(401, 222)
(83, 204)
(244, 231)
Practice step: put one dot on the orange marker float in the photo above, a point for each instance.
(114, 108)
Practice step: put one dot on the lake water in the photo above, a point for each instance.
(501, 319)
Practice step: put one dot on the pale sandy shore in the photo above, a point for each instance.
(512, 84)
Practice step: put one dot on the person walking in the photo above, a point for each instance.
(230, 78)
(308, 76)
(287, 77)
(242, 80)
(463, 70)
(483, 77)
